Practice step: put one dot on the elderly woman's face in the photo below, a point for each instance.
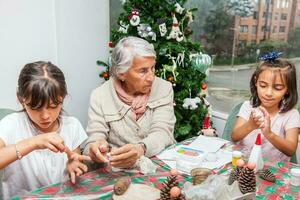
(140, 76)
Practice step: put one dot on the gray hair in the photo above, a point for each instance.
(125, 51)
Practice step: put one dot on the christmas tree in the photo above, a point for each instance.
(166, 24)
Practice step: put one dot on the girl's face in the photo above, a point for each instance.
(140, 76)
(44, 118)
(270, 88)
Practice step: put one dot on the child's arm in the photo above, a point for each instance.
(75, 165)
(13, 152)
(242, 128)
(288, 144)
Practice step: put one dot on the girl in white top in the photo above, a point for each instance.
(39, 146)
(271, 110)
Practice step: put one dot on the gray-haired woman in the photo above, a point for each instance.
(133, 111)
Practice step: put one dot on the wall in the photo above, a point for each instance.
(71, 33)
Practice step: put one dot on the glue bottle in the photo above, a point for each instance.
(256, 155)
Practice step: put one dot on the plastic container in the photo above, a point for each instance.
(295, 177)
(236, 155)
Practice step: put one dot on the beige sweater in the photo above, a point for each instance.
(111, 119)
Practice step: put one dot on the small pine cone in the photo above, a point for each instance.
(247, 181)
(233, 176)
(266, 175)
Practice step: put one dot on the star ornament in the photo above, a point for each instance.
(270, 56)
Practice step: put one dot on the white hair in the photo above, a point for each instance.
(126, 50)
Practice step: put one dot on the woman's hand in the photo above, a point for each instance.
(98, 151)
(52, 141)
(126, 156)
(75, 165)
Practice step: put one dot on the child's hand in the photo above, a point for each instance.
(265, 123)
(75, 165)
(51, 141)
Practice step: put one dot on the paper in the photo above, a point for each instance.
(203, 152)
(207, 144)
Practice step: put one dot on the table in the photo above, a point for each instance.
(99, 184)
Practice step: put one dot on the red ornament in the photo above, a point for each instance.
(206, 123)
(203, 86)
(170, 78)
(105, 75)
(110, 44)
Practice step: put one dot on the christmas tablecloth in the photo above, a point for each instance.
(99, 184)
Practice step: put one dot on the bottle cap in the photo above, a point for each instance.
(258, 139)
(295, 172)
(237, 154)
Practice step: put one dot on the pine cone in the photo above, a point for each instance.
(234, 175)
(247, 181)
(266, 175)
(167, 185)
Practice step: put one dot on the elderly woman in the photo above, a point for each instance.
(133, 111)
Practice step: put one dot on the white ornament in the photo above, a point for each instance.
(189, 15)
(178, 8)
(134, 18)
(123, 27)
(180, 59)
(123, 1)
(143, 31)
(175, 31)
(162, 29)
(191, 103)
(170, 68)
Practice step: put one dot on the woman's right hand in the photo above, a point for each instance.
(98, 151)
(52, 141)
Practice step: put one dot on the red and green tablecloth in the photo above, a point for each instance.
(99, 184)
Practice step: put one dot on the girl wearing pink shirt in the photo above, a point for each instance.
(270, 110)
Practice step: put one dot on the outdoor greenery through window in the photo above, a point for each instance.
(235, 42)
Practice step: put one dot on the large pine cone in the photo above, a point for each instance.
(247, 181)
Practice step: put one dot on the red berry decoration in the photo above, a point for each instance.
(110, 44)
(105, 75)
(203, 86)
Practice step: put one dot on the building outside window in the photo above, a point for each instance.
(274, 29)
(283, 16)
(244, 28)
(281, 29)
(254, 29)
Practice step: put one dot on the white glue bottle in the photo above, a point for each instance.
(256, 155)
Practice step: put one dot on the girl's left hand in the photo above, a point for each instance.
(75, 165)
(265, 124)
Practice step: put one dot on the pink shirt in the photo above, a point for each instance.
(280, 123)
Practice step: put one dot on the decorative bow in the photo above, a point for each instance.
(270, 56)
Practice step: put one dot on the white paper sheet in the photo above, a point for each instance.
(210, 155)
(208, 144)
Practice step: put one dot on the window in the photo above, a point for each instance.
(269, 15)
(255, 15)
(242, 43)
(276, 16)
(281, 29)
(254, 29)
(283, 16)
(274, 29)
(244, 28)
(264, 28)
